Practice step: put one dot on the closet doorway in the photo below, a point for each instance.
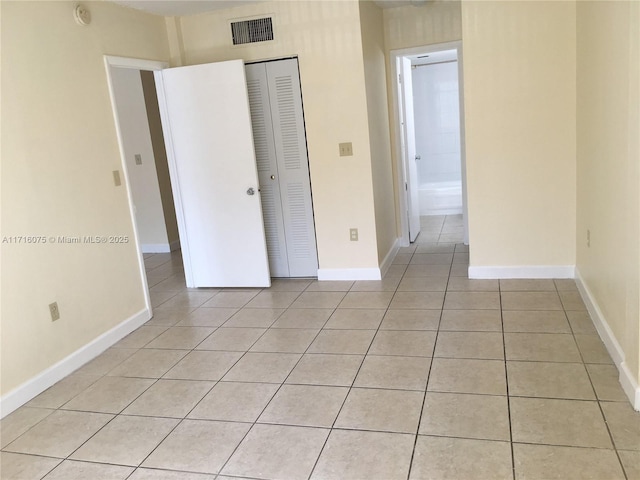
(275, 102)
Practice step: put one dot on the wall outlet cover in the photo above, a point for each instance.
(54, 311)
(346, 149)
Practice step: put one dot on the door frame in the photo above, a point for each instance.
(401, 164)
(136, 64)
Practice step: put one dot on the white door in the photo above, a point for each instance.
(281, 150)
(205, 115)
(411, 169)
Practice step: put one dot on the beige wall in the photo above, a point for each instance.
(408, 27)
(326, 38)
(59, 148)
(378, 117)
(608, 105)
(433, 22)
(520, 90)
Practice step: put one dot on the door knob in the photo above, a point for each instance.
(251, 191)
(418, 157)
(273, 177)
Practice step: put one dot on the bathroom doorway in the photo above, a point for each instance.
(430, 135)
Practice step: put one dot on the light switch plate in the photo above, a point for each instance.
(116, 178)
(138, 158)
(346, 149)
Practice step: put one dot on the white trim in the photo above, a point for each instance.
(138, 64)
(156, 248)
(388, 259)
(349, 274)
(38, 384)
(629, 385)
(602, 326)
(523, 271)
(626, 378)
(361, 273)
(463, 147)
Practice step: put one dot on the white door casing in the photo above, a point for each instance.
(400, 166)
(208, 136)
(411, 169)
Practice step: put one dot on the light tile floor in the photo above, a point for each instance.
(425, 374)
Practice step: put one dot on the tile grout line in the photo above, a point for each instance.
(333, 427)
(506, 381)
(255, 422)
(344, 401)
(595, 393)
(215, 382)
(185, 417)
(426, 387)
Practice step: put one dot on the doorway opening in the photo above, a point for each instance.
(144, 165)
(428, 100)
(284, 141)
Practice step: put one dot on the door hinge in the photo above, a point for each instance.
(399, 78)
(406, 188)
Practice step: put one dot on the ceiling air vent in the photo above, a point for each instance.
(252, 31)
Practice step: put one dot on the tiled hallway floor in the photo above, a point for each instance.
(423, 375)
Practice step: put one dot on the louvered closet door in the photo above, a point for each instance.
(267, 167)
(288, 176)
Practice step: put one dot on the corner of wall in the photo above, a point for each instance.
(627, 379)
(176, 43)
(45, 379)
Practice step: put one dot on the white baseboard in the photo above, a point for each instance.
(349, 274)
(38, 384)
(626, 377)
(361, 273)
(388, 259)
(523, 271)
(629, 385)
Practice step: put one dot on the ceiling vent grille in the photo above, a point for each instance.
(252, 31)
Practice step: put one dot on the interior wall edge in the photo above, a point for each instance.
(45, 379)
(628, 381)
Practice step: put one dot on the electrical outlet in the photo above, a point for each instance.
(54, 311)
(588, 238)
(116, 178)
(353, 234)
(346, 149)
(138, 158)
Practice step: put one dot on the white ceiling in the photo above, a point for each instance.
(169, 8)
(179, 8)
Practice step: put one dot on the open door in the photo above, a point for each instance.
(205, 115)
(409, 134)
